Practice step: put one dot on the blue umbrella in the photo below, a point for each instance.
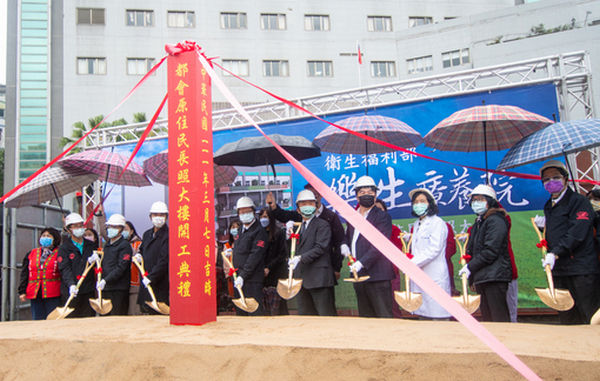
(558, 139)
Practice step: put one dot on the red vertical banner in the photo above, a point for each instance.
(192, 262)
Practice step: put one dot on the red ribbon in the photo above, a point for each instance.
(294, 235)
(78, 277)
(98, 270)
(466, 258)
(145, 274)
(543, 244)
(231, 272)
(409, 255)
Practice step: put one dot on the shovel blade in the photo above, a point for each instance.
(247, 304)
(357, 279)
(159, 307)
(560, 301)
(596, 318)
(60, 313)
(101, 306)
(470, 303)
(286, 289)
(409, 301)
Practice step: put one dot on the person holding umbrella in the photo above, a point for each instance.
(374, 296)
(568, 220)
(249, 254)
(73, 256)
(116, 266)
(154, 251)
(489, 268)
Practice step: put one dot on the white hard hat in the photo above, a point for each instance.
(73, 218)
(364, 181)
(421, 190)
(116, 220)
(244, 202)
(306, 195)
(554, 164)
(484, 190)
(159, 207)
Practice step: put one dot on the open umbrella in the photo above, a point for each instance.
(483, 128)
(54, 182)
(108, 166)
(157, 169)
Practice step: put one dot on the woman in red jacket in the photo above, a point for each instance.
(40, 278)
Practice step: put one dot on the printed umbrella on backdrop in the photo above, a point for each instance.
(108, 166)
(54, 182)
(390, 130)
(484, 128)
(157, 169)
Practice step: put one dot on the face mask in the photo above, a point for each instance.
(233, 231)
(125, 234)
(78, 232)
(247, 218)
(308, 210)
(366, 201)
(595, 205)
(264, 222)
(46, 241)
(554, 186)
(158, 221)
(112, 232)
(479, 207)
(420, 208)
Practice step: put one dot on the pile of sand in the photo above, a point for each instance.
(288, 347)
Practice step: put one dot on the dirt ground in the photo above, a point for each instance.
(288, 347)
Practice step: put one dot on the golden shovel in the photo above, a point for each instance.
(245, 304)
(157, 306)
(101, 306)
(288, 288)
(555, 298)
(409, 301)
(355, 278)
(469, 302)
(63, 312)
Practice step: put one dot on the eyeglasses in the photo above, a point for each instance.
(555, 178)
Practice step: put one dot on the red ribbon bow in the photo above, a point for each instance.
(231, 271)
(78, 277)
(409, 255)
(466, 257)
(146, 274)
(294, 235)
(543, 243)
(181, 47)
(98, 270)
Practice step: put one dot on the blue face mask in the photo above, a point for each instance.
(46, 241)
(112, 232)
(233, 231)
(308, 210)
(125, 234)
(420, 208)
(479, 207)
(247, 218)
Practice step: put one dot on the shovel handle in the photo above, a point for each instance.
(140, 266)
(293, 246)
(541, 236)
(462, 247)
(548, 271)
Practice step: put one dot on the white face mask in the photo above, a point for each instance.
(247, 218)
(78, 232)
(158, 221)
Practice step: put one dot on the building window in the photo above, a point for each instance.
(383, 69)
(237, 67)
(139, 66)
(275, 68)
(91, 65)
(90, 16)
(379, 23)
(233, 20)
(181, 19)
(418, 20)
(419, 64)
(272, 21)
(456, 57)
(316, 22)
(137, 17)
(320, 69)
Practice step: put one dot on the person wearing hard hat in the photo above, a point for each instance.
(568, 220)
(489, 267)
(374, 296)
(154, 250)
(116, 266)
(312, 262)
(73, 256)
(429, 236)
(249, 255)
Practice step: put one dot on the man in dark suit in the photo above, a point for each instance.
(374, 296)
(312, 262)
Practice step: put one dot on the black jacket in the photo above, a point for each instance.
(71, 264)
(155, 251)
(116, 265)
(569, 233)
(249, 253)
(315, 263)
(276, 258)
(376, 265)
(488, 248)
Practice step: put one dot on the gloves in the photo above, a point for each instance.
(100, 285)
(465, 270)
(356, 266)
(239, 282)
(93, 258)
(228, 252)
(293, 262)
(540, 221)
(345, 250)
(73, 290)
(146, 281)
(289, 229)
(549, 259)
(137, 258)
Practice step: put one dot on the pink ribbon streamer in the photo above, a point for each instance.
(383, 244)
